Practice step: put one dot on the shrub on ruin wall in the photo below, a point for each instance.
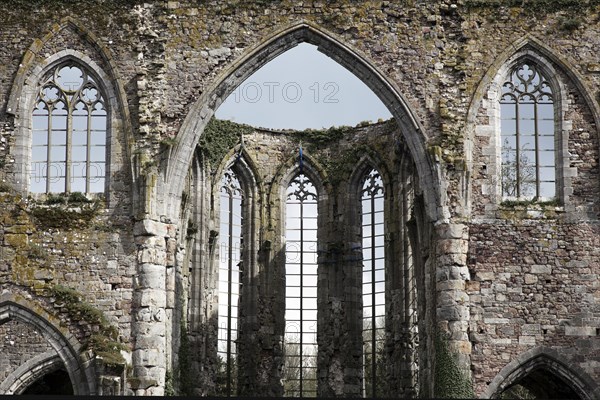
(103, 342)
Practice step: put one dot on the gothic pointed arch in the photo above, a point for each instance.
(487, 95)
(545, 373)
(80, 369)
(243, 164)
(279, 42)
(306, 164)
(88, 53)
(366, 163)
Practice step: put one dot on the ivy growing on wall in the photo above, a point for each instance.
(218, 138)
(450, 380)
(184, 369)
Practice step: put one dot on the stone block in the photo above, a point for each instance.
(496, 320)
(152, 298)
(148, 227)
(525, 340)
(485, 276)
(453, 313)
(531, 329)
(541, 269)
(580, 331)
(151, 276)
(455, 284)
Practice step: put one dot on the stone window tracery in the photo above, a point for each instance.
(527, 126)
(69, 133)
(300, 341)
(373, 281)
(230, 271)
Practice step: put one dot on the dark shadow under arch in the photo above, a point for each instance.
(285, 39)
(545, 374)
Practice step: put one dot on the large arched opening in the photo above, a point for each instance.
(192, 201)
(180, 157)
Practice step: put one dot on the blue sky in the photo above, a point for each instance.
(302, 88)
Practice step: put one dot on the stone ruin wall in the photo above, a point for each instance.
(531, 275)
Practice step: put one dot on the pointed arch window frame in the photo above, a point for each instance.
(73, 100)
(372, 194)
(563, 173)
(243, 170)
(231, 191)
(526, 92)
(24, 103)
(316, 180)
(303, 196)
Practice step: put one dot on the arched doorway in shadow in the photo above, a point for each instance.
(53, 383)
(540, 384)
(541, 373)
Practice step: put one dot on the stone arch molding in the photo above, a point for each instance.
(281, 41)
(538, 358)
(527, 47)
(79, 367)
(34, 369)
(288, 171)
(364, 165)
(23, 94)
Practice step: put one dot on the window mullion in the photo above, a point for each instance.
(537, 150)
(48, 150)
(68, 146)
(301, 295)
(517, 149)
(88, 150)
(229, 287)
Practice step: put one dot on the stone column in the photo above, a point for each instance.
(150, 302)
(452, 273)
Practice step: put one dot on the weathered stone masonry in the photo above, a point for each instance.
(120, 291)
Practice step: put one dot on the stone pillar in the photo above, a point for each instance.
(452, 273)
(150, 302)
(339, 324)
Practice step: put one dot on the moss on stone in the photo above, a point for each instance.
(184, 369)
(316, 138)
(64, 213)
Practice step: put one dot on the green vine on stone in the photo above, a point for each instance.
(450, 380)
(219, 137)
